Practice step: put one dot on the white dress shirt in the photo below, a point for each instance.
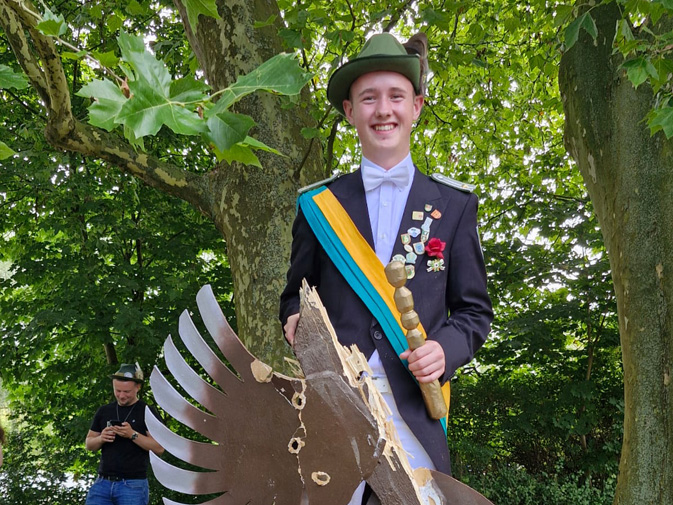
(385, 205)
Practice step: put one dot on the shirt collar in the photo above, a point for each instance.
(367, 165)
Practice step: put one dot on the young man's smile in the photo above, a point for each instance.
(383, 108)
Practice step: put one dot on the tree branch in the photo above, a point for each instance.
(23, 104)
(46, 73)
(13, 27)
(395, 17)
(330, 143)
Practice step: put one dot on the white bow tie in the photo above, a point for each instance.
(373, 178)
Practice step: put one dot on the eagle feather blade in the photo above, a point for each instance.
(218, 327)
(210, 362)
(210, 397)
(201, 454)
(186, 481)
(179, 408)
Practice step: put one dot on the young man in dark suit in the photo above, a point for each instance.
(429, 223)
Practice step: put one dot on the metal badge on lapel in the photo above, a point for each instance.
(399, 257)
(435, 265)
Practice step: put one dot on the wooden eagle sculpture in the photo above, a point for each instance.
(280, 440)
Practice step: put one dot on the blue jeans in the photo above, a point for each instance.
(122, 492)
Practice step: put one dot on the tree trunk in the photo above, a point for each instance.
(254, 208)
(629, 175)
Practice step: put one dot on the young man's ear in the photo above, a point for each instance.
(419, 100)
(348, 110)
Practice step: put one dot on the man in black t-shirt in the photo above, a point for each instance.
(118, 429)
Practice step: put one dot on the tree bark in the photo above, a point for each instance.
(253, 208)
(629, 175)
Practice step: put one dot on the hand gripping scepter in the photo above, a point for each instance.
(404, 301)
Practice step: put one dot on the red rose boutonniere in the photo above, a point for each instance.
(434, 247)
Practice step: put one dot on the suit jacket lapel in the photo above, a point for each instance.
(423, 191)
(350, 192)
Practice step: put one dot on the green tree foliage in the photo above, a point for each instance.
(97, 268)
(98, 259)
(100, 267)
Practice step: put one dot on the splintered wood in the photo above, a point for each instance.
(350, 366)
(261, 371)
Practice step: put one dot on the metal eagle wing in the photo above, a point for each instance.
(244, 413)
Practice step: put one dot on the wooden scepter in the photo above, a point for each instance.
(404, 301)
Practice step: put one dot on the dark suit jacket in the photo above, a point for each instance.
(459, 289)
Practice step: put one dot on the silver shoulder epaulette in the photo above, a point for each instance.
(320, 183)
(448, 181)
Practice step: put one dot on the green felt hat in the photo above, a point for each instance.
(128, 372)
(382, 52)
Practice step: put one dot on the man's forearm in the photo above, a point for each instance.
(93, 443)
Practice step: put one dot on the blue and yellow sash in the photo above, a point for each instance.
(358, 263)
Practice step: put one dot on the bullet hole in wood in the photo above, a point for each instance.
(295, 445)
(299, 401)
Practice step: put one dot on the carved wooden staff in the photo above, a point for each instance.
(404, 301)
